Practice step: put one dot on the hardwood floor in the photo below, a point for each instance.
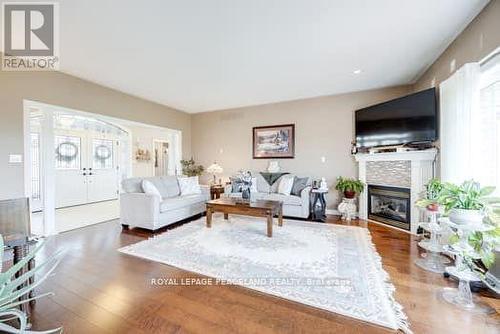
(99, 290)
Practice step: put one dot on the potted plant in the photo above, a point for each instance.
(431, 195)
(15, 285)
(349, 187)
(189, 168)
(465, 203)
(483, 242)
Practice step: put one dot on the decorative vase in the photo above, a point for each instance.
(349, 194)
(273, 167)
(245, 194)
(323, 185)
(465, 216)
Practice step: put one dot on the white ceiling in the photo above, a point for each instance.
(200, 55)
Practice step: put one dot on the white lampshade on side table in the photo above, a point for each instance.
(215, 169)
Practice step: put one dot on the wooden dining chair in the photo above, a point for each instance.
(15, 228)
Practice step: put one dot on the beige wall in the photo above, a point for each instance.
(323, 126)
(480, 38)
(65, 90)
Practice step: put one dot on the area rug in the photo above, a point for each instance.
(331, 267)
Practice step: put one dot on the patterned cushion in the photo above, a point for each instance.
(285, 185)
(262, 185)
(299, 183)
(189, 185)
(274, 187)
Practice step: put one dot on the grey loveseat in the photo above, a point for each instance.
(150, 212)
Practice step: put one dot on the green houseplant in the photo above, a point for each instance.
(349, 186)
(465, 203)
(12, 288)
(483, 242)
(190, 168)
(431, 195)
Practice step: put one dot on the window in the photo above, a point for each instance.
(35, 166)
(68, 152)
(490, 118)
(469, 123)
(102, 151)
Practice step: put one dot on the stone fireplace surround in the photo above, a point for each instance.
(411, 170)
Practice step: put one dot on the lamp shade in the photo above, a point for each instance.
(215, 169)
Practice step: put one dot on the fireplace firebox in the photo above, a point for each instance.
(389, 205)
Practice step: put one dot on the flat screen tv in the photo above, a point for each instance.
(406, 120)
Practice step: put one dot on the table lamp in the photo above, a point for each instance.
(215, 169)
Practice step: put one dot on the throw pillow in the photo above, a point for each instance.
(299, 183)
(150, 189)
(262, 185)
(189, 185)
(285, 185)
(253, 188)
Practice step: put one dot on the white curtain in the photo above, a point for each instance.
(490, 120)
(459, 96)
(467, 129)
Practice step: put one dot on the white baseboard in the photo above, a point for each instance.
(336, 212)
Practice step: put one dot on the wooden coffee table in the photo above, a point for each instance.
(265, 209)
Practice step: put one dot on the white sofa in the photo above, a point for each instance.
(293, 206)
(138, 209)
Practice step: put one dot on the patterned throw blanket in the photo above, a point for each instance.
(272, 177)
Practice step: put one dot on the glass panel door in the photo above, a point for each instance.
(70, 173)
(102, 154)
(68, 152)
(103, 175)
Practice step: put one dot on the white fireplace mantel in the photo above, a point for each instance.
(419, 167)
(398, 156)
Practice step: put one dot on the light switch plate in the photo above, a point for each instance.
(15, 158)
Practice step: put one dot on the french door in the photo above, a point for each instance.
(86, 168)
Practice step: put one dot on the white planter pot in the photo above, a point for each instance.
(464, 216)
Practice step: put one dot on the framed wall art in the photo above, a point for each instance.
(275, 142)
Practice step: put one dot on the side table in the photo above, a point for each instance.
(216, 190)
(318, 205)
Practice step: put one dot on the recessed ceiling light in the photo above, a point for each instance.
(356, 71)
